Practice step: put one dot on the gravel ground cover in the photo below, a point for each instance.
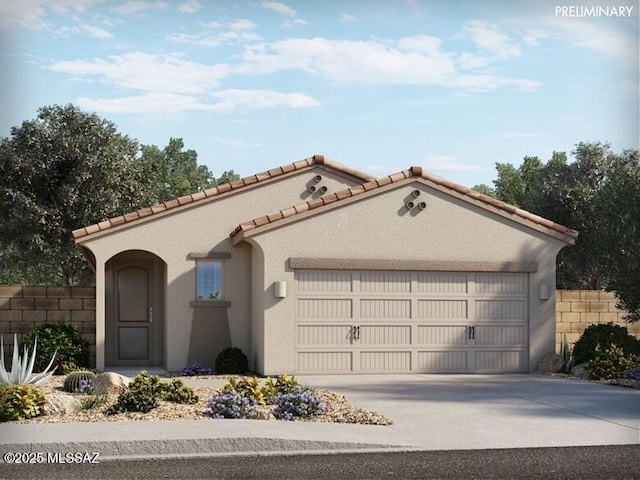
(339, 409)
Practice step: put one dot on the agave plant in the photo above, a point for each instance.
(22, 367)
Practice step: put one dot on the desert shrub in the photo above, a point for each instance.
(247, 387)
(232, 360)
(133, 401)
(63, 340)
(196, 369)
(298, 403)
(20, 402)
(610, 363)
(145, 390)
(283, 384)
(228, 403)
(604, 335)
(92, 401)
(79, 381)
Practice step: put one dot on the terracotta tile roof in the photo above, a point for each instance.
(211, 193)
(406, 176)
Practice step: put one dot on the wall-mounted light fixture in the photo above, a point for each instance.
(544, 293)
(280, 289)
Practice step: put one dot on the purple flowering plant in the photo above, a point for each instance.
(196, 369)
(228, 403)
(298, 403)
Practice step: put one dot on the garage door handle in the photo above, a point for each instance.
(472, 333)
(357, 332)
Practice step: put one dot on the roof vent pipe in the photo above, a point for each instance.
(410, 205)
(422, 205)
(415, 193)
(323, 189)
(317, 178)
(312, 188)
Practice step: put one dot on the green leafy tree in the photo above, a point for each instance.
(618, 204)
(597, 194)
(61, 171)
(172, 172)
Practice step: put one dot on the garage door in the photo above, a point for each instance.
(422, 322)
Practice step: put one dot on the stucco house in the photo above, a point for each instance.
(314, 267)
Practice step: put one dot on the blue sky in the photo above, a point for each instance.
(379, 85)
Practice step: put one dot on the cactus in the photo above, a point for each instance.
(22, 366)
(565, 354)
(72, 382)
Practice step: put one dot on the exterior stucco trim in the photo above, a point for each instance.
(410, 265)
(209, 304)
(209, 256)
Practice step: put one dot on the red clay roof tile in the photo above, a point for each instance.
(210, 193)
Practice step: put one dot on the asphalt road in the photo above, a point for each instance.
(585, 463)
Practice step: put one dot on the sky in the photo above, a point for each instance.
(378, 85)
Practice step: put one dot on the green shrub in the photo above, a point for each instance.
(92, 401)
(283, 385)
(63, 340)
(145, 390)
(604, 335)
(249, 387)
(610, 363)
(133, 401)
(20, 402)
(178, 392)
(232, 360)
(72, 382)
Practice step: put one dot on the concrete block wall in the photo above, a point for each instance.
(577, 309)
(24, 308)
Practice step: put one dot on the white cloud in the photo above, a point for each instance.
(589, 35)
(32, 13)
(294, 22)
(417, 60)
(447, 164)
(226, 101)
(346, 18)
(189, 6)
(136, 6)
(280, 8)
(510, 135)
(235, 99)
(242, 24)
(89, 30)
(153, 73)
(488, 37)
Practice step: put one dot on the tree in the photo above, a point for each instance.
(618, 204)
(596, 194)
(67, 169)
(61, 171)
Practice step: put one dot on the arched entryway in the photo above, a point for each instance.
(134, 310)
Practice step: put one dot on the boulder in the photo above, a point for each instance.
(110, 382)
(56, 403)
(551, 363)
(579, 370)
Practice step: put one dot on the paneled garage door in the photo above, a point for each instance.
(438, 322)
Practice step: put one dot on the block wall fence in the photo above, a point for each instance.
(23, 308)
(577, 309)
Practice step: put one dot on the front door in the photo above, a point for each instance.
(136, 330)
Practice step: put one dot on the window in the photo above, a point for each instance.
(209, 280)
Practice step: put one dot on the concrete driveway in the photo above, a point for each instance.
(493, 411)
(430, 412)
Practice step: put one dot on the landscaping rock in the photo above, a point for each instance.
(110, 382)
(551, 363)
(60, 403)
(579, 370)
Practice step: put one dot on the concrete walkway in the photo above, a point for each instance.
(430, 412)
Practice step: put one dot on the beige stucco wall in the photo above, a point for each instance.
(201, 229)
(379, 227)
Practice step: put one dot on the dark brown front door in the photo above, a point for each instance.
(136, 311)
